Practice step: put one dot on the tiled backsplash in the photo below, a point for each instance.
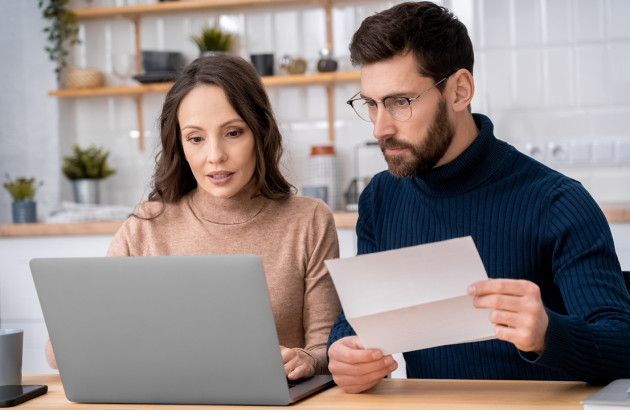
(552, 74)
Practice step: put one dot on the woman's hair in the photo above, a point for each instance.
(239, 80)
(437, 39)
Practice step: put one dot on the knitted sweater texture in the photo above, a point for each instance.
(528, 222)
(293, 238)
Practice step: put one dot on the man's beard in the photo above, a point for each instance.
(427, 154)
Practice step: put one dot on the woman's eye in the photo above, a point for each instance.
(234, 133)
(194, 139)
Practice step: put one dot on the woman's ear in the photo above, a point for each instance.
(463, 89)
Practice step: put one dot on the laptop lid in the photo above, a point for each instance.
(163, 329)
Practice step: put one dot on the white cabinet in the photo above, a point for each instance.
(621, 235)
(19, 306)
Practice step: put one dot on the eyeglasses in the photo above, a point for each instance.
(398, 107)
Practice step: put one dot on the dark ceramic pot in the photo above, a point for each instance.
(24, 212)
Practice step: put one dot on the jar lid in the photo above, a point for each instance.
(322, 150)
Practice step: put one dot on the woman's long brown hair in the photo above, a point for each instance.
(172, 178)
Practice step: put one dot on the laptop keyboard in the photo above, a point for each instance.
(293, 383)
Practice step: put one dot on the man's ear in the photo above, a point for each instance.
(463, 89)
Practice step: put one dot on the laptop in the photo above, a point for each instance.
(165, 330)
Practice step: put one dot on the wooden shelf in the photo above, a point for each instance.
(315, 79)
(135, 13)
(186, 6)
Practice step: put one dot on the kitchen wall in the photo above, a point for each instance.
(552, 74)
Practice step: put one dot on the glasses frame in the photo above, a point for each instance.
(352, 100)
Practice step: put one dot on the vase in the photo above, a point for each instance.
(24, 211)
(323, 171)
(86, 191)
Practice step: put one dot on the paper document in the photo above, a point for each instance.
(413, 298)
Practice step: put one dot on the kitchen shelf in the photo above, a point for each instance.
(186, 6)
(302, 79)
(134, 13)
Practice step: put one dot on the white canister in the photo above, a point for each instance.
(323, 170)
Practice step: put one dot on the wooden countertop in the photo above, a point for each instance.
(342, 219)
(399, 394)
(615, 213)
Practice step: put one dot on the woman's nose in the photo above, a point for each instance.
(215, 153)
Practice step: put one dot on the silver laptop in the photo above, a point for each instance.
(165, 329)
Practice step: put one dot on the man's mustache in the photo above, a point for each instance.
(393, 143)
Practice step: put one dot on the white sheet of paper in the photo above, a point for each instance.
(413, 298)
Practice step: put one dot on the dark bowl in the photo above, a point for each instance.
(161, 61)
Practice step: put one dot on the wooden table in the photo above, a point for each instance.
(389, 394)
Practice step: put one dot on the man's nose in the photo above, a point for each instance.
(384, 123)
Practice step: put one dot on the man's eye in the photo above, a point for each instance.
(370, 103)
(400, 102)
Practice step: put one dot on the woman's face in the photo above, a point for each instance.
(218, 144)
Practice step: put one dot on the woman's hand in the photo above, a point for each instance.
(297, 364)
(50, 355)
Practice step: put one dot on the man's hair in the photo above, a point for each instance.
(437, 39)
(239, 80)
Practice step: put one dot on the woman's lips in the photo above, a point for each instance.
(219, 177)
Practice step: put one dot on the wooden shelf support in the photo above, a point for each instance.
(138, 100)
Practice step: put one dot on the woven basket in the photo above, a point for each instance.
(79, 77)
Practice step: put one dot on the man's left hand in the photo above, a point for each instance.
(517, 311)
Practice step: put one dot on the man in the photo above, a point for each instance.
(556, 297)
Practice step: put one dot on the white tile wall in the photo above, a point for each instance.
(547, 71)
(557, 23)
(588, 20)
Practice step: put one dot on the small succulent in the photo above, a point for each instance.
(89, 163)
(21, 189)
(213, 39)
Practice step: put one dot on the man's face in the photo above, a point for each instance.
(414, 146)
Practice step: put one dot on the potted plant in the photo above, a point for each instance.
(63, 31)
(22, 190)
(85, 168)
(212, 41)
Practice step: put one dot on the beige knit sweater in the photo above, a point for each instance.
(293, 238)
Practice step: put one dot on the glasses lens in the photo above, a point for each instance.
(399, 107)
(364, 108)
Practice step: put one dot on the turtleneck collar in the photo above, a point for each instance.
(235, 210)
(471, 168)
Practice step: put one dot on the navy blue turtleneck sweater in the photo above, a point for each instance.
(528, 222)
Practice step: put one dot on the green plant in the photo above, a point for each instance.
(63, 31)
(89, 163)
(21, 189)
(213, 39)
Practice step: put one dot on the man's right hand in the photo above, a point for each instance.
(356, 369)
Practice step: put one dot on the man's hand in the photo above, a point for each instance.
(517, 311)
(356, 369)
(297, 364)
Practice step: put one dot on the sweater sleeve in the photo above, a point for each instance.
(321, 303)
(119, 246)
(590, 342)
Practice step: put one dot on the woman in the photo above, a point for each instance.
(217, 189)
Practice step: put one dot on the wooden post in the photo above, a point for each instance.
(138, 100)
